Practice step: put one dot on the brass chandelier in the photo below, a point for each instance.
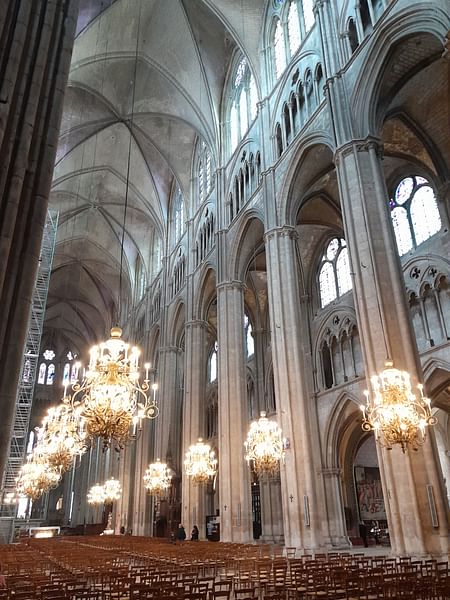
(36, 477)
(96, 495)
(112, 490)
(157, 478)
(111, 399)
(106, 493)
(264, 446)
(61, 438)
(394, 412)
(200, 463)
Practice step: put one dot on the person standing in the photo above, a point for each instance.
(194, 534)
(181, 533)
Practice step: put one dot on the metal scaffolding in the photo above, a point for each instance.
(29, 370)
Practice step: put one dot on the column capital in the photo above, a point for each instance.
(168, 349)
(281, 231)
(360, 145)
(196, 323)
(233, 284)
(331, 472)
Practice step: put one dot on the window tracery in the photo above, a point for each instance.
(294, 32)
(243, 105)
(46, 373)
(244, 183)
(308, 14)
(178, 217)
(279, 49)
(205, 237)
(334, 274)
(414, 213)
(340, 353)
(204, 172)
(179, 272)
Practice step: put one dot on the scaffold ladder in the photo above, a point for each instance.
(29, 370)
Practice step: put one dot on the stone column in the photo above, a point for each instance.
(166, 423)
(193, 496)
(34, 57)
(303, 507)
(234, 480)
(335, 507)
(412, 482)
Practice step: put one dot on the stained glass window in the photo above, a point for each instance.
(293, 28)
(42, 372)
(66, 374)
(74, 373)
(308, 14)
(250, 344)
(49, 355)
(425, 214)
(414, 213)
(280, 53)
(50, 374)
(178, 214)
(213, 364)
(240, 72)
(402, 230)
(344, 279)
(243, 102)
(204, 172)
(327, 283)
(334, 275)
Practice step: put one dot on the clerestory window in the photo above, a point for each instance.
(414, 213)
(334, 274)
(244, 100)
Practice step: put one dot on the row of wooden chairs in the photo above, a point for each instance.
(131, 569)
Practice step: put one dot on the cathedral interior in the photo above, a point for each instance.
(257, 192)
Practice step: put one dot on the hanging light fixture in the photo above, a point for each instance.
(394, 412)
(157, 478)
(112, 490)
(36, 477)
(61, 438)
(264, 446)
(112, 398)
(106, 493)
(200, 463)
(96, 494)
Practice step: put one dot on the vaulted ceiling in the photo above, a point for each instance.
(146, 81)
